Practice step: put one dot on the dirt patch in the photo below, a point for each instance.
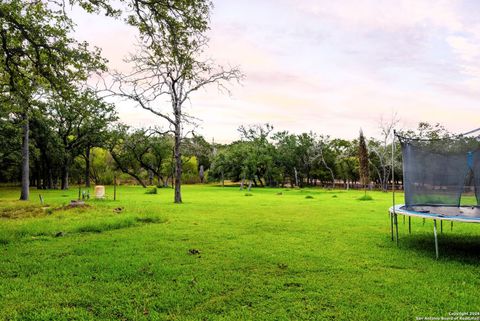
(72, 205)
(17, 212)
(194, 252)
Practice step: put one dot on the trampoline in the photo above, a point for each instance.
(441, 179)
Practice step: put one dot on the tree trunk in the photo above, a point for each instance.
(150, 177)
(138, 179)
(243, 181)
(65, 175)
(87, 167)
(126, 171)
(24, 195)
(38, 175)
(50, 179)
(160, 181)
(249, 185)
(201, 173)
(178, 159)
(296, 176)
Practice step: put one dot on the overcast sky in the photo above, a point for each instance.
(328, 66)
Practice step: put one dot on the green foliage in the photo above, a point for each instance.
(102, 168)
(190, 170)
(365, 198)
(42, 76)
(364, 170)
(152, 190)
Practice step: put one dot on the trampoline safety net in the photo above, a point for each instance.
(442, 171)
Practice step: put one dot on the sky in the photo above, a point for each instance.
(331, 67)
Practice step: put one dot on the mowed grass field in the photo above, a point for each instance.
(277, 254)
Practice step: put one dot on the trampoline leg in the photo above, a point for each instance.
(391, 224)
(423, 221)
(403, 219)
(441, 226)
(396, 228)
(409, 225)
(451, 226)
(436, 239)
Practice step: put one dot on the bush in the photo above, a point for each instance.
(365, 198)
(152, 190)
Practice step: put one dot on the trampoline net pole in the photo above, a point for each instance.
(396, 227)
(436, 238)
(391, 224)
(393, 188)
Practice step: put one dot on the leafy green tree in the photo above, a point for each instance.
(363, 161)
(37, 57)
(9, 146)
(346, 163)
(325, 160)
(47, 149)
(125, 161)
(78, 119)
(258, 154)
(286, 160)
(202, 150)
(152, 151)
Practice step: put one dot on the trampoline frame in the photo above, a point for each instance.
(396, 210)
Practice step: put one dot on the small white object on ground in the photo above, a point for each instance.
(99, 191)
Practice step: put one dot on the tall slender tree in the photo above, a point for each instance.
(363, 160)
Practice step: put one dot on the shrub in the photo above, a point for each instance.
(152, 190)
(365, 198)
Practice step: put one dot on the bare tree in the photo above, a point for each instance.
(171, 64)
(382, 151)
(320, 147)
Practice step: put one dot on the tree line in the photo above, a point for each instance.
(46, 94)
(58, 128)
(260, 157)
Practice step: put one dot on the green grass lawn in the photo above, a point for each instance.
(277, 254)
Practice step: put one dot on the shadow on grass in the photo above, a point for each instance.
(461, 248)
